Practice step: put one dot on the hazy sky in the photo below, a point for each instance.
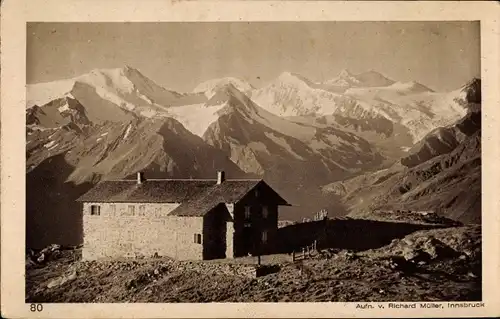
(441, 55)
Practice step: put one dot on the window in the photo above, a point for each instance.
(247, 212)
(197, 238)
(264, 236)
(112, 210)
(256, 193)
(265, 212)
(131, 210)
(157, 212)
(130, 235)
(142, 210)
(95, 210)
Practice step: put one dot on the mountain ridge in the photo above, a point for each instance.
(442, 173)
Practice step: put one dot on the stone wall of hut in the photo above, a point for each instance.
(140, 229)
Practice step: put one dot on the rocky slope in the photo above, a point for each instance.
(442, 173)
(64, 162)
(294, 158)
(429, 265)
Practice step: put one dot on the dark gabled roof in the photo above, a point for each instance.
(167, 191)
(196, 197)
(203, 202)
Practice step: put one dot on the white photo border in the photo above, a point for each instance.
(16, 14)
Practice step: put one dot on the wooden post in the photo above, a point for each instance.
(303, 253)
(315, 245)
(258, 259)
(293, 256)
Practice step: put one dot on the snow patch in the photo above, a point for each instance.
(127, 132)
(145, 98)
(113, 98)
(282, 142)
(42, 93)
(63, 108)
(52, 147)
(331, 140)
(148, 113)
(209, 87)
(196, 117)
(102, 78)
(259, 147)
(49, 144)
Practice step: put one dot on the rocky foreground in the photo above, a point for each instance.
(429, 265)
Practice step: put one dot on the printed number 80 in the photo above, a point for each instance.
(36, 307)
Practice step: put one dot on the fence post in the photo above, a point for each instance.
(303, 253)
(293, 256)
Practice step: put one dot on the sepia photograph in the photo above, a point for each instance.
(253, 161)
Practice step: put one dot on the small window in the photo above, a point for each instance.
(95, 210)
(157, 212)
(142, 210)
(264, 236)
(130, 235)
(265, 212)
(256, 193)
(131, 210)
(247, 212)
(197, 238)
(112, 210)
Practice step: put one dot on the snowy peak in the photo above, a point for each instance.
(371, 78)
(115, 78)
(410, 87)
(292, 94)
(224, 93)
(289, 79)
(344, 79)
(210, 87)
(345, 73)
(124, 86)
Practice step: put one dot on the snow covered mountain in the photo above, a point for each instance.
(211, 86)
(414, 108)
(442, 172)
(295, 158)
(258, 140)
(124, 87)
(346, 79)
(293, 95)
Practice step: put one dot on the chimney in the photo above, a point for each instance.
(140, 178)
(221, 177)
